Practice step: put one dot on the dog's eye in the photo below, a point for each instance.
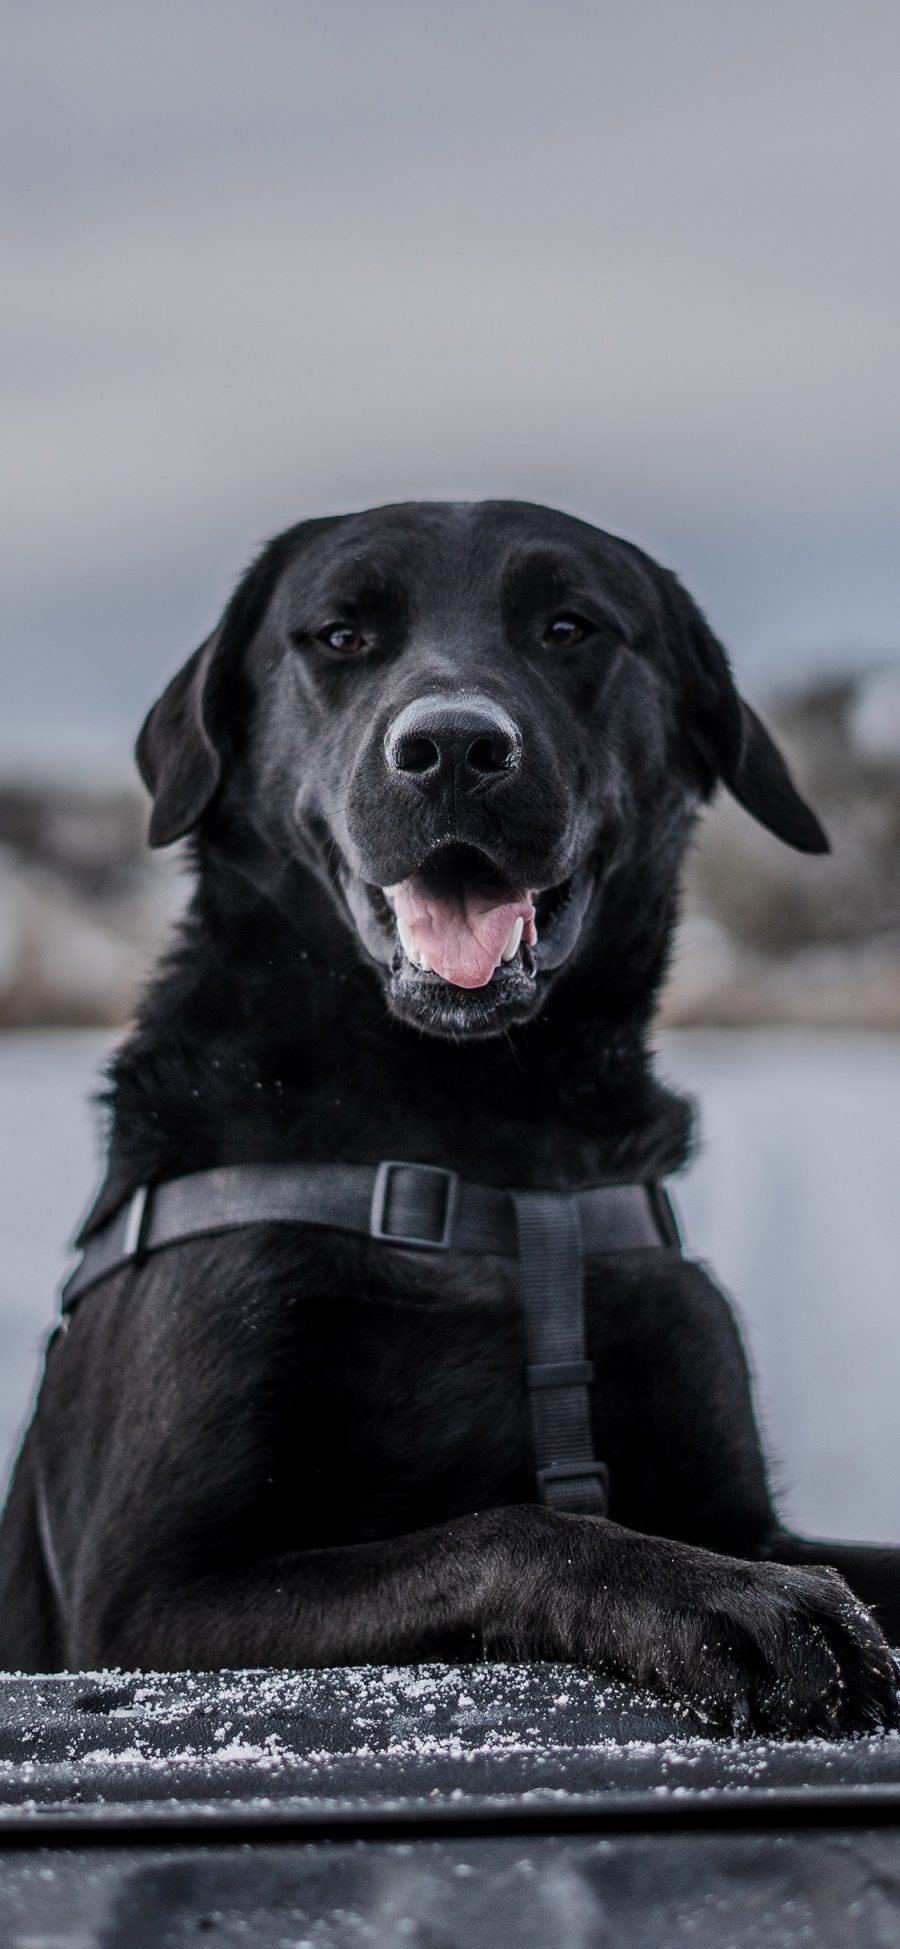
(344, 637)
(564, 632)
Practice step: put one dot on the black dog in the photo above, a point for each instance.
(440, 765)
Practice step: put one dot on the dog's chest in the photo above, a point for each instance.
(401, 1399)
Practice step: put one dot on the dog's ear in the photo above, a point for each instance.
(760, 781)
(177, 754)
(733, 743)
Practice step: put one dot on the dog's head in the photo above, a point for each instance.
(472, 722)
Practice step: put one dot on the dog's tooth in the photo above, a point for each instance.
(407, 940)
(515, 936)
(411, 947)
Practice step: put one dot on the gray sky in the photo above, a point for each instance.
(268, 258)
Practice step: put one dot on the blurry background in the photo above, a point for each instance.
(638, 260)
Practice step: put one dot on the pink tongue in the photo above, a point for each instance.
(462, 936)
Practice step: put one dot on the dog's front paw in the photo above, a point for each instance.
(752, 1647)
(767, 1649)
(829, 1669)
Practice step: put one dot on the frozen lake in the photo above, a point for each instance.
(794, 1199)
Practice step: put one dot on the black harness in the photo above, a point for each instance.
(425, 1208)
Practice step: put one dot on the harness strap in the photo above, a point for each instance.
(551, 1280)
(417, 1205)
(426, 1208)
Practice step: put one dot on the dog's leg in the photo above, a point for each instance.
(750, 1645)
(29, 1633)
(695, 1468)
(871, 1570)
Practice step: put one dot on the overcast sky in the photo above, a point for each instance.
(269, 258)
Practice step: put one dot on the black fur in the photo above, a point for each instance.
(299, 1448)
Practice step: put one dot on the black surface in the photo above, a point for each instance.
(616, 1892)
(436, 1805)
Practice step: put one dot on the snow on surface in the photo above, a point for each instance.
(428, 1734)
(793, 1200)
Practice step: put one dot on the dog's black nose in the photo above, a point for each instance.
(470, 739)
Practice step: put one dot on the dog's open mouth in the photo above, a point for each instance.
(459, 919)
(465, 944)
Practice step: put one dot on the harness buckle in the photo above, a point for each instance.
(555, 1475)
(135, 1219)
(666, 1213)
(381, 1190)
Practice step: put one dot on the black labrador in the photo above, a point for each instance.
(439, 765)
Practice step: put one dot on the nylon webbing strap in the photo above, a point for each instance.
(395, 1202)
(551, 1281)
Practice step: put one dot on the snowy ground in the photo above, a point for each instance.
(795, 1199)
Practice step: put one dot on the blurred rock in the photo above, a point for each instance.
(770, 935)
(84, 905)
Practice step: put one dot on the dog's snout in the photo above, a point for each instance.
(471, 739)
